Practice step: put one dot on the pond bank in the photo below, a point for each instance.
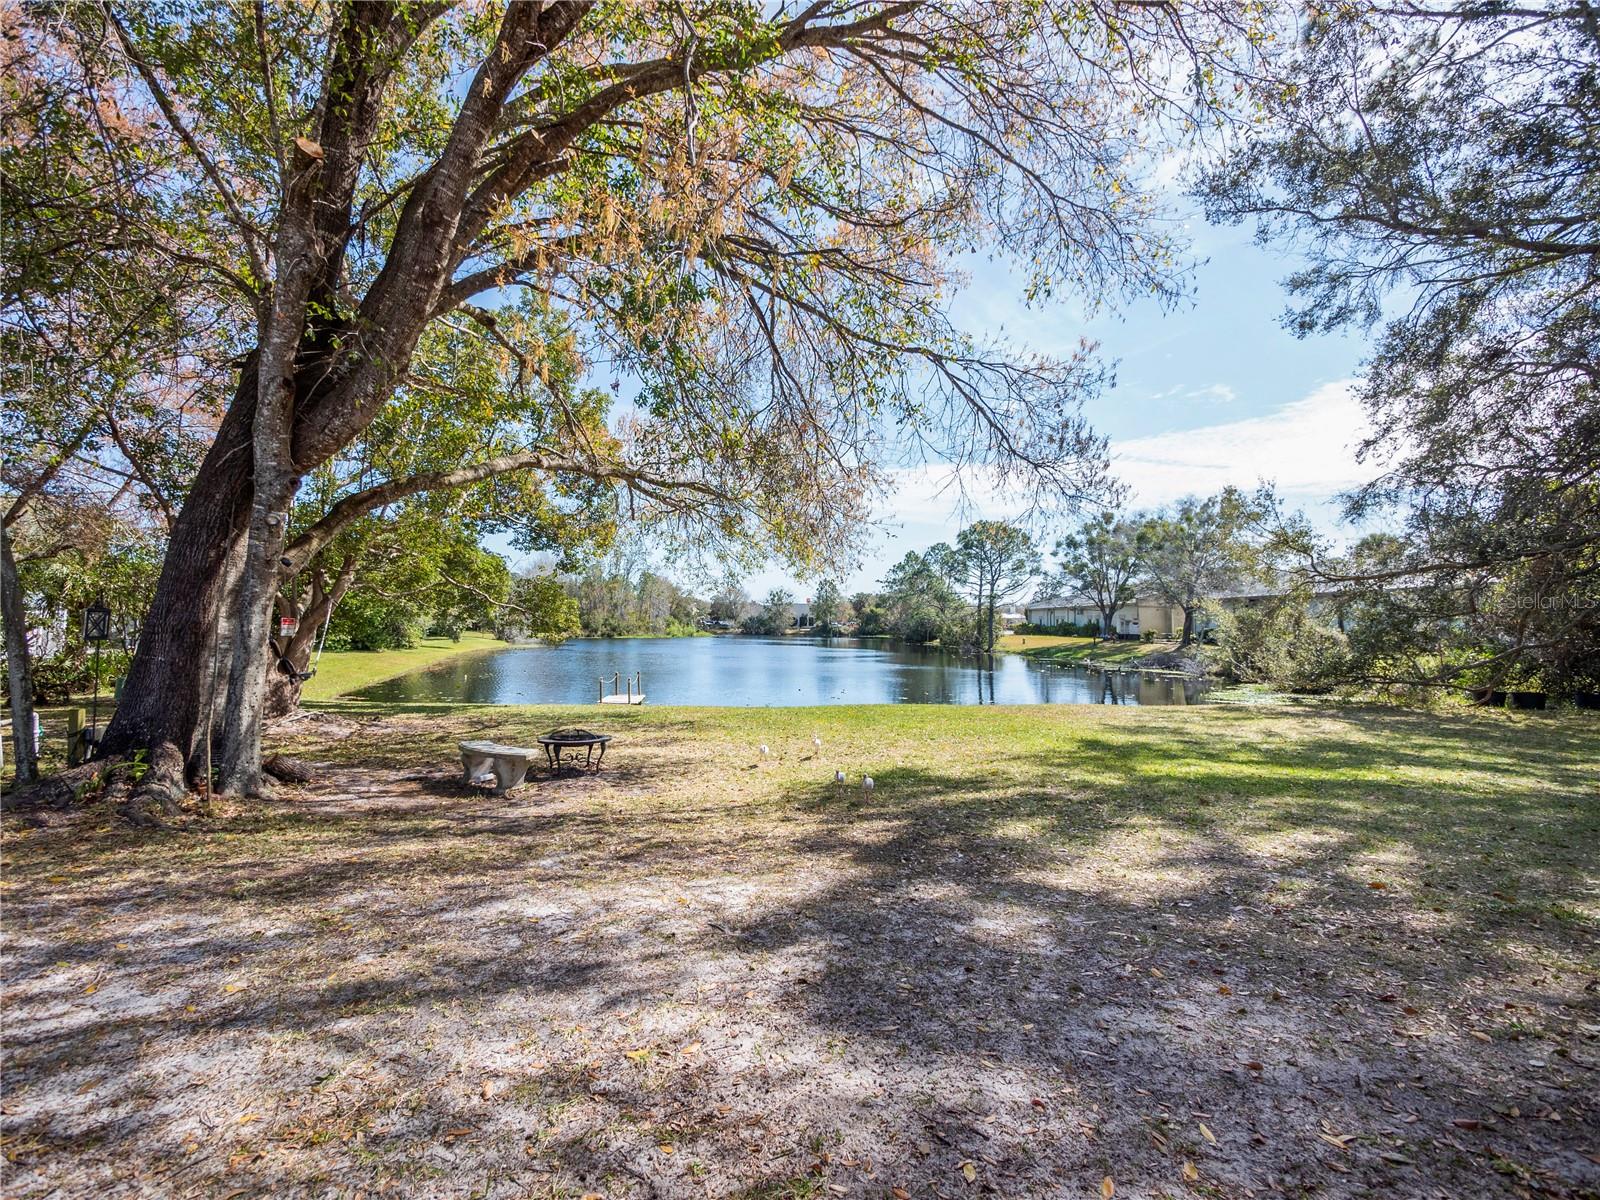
(341, 671)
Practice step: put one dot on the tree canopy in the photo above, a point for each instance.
(1437, 165)
(751, 213)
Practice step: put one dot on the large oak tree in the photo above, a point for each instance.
(749, 211)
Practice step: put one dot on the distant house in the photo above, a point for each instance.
(1149, 613)
(1145, 613)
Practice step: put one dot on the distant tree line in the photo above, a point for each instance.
(622, 596)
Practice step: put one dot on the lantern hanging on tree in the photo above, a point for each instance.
(96, 629)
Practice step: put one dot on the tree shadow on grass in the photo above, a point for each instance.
(1140, 937)
(1170, 956)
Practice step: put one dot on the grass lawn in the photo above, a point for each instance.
(345, 671)
(1048, 647)
(1203, 952)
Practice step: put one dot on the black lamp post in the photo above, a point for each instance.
(96, 629)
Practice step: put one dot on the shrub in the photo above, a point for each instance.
(1278, 643)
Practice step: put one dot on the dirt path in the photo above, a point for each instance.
(705, 975)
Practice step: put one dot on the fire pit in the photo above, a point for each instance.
(561, 747)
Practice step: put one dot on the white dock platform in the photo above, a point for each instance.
(625, 689)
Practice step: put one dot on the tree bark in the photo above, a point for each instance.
(168, 687)
(19, 664)
(300, 256)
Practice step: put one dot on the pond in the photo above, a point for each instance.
(770, 672)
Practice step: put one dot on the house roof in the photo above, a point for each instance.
(1075, 601)
(1079, 600)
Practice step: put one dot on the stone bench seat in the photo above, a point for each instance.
(509, 764)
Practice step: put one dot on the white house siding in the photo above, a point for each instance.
(1132, 619)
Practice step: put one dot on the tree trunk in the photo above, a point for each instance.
(1188, 627)
(253, 640)
(169, 684)
(19, 665)
(288, 664)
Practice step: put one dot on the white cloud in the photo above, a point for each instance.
(1221, 393)
(1306, 448)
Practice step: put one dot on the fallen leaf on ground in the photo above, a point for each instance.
(969, 1171)
(636, 1055)
(1190, 1174)
(1108, 1187)
(1207, 1134)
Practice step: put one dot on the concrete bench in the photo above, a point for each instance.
(508, 763)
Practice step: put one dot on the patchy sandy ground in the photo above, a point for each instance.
(709, 974)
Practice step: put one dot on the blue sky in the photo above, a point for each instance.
(1211, 392)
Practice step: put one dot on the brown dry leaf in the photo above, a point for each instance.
(969, 1171)
(91, 989)
(1224, 990)
(667, 1148)
(637, 1055)
(1108, 1188)
(1207, 1134)
(487, 1089)
(899, 1193)
(1341, 1140)
(691, 1048)
(1377, 885)
(1190, 1173)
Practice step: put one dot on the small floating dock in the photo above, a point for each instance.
(634, 684)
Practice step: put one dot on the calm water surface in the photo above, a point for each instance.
(770, 672)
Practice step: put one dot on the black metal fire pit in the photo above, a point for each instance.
(561, 747)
